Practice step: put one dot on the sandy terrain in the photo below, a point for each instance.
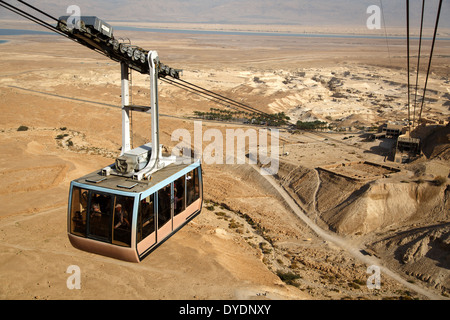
(247, 237)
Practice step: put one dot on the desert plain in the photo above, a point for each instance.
(311, 231)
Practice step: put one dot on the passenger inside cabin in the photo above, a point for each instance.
(179, 195)
(197, 192)
(96, 212)
(164, 205)
(84, 199)
(121, 217)
(190, 196)
(164, 195)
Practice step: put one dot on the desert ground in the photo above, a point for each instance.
(309, 232)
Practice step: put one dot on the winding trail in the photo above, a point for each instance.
(344, 244)
(315, 196)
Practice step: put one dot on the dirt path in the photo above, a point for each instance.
(344, 244)
(316, 192)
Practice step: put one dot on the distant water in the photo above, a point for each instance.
(243, 33)
(19, 32)
(273, 34)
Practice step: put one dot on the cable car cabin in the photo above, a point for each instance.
(127, 219)
(117, 211)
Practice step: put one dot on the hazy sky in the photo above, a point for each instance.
(298, 12)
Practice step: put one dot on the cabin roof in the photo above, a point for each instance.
(124, 184)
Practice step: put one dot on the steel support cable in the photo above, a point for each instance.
(385, 31)
(226, 98)
(30, 17)
(38, 21)
(197, 93)
(418, 62)
(218, 96)
(42, 23)
(407, 54)
(431, 56)
(208, 95)
(229, 100)
(38, 10)
(190, 89)
(234, 103)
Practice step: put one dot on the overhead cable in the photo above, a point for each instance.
(407, 55)
(213, 95)
(30, 17)
(226, 98)
(38, 10)
(418, 62)
(228, 102)
(431, 57)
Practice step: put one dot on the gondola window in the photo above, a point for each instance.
(97, 216)
(179, 195)
(146, 218)
(78, 211)
(164, 206)
(193, 187)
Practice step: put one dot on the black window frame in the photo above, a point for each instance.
(180, 204)
(195, 182)
(164, 207)
(88, 234)
(92, 235)
(140, 235)
(78, 219)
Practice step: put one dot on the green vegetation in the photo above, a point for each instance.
(264, 248)
(354, 285)
(221, 214)
(236, 225)
(277, 119)
(311, 125)
(61, 136)
(22, 128)
(288, 277)
(439, 181)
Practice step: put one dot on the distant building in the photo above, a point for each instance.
(407, 148)
(407, 144)
(393, 130)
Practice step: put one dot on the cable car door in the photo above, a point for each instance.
(146, 224)
(165, 211)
